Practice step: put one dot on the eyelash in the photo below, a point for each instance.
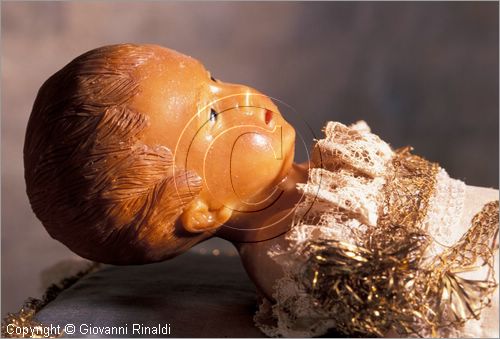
(213, 79)
(213, 115)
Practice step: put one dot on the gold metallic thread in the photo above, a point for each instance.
(386, 283)
(25, 318)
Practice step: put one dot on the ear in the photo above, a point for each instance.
(198, 217)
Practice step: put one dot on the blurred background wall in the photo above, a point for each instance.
(422, 74)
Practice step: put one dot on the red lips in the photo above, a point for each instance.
(268, 116)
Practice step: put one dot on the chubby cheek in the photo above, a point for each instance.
(242, 168)
(256, 164)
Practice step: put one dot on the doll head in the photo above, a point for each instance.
(134, 153)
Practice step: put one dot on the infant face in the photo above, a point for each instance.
(231, 135)
(105, 132)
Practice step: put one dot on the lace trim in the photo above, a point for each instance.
(352, 146)
(360, 187)
(444, 212)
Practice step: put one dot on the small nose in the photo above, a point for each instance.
(235, 95)
(260, 104)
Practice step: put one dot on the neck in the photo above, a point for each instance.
(271, 221)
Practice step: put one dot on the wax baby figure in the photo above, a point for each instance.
(135, 153)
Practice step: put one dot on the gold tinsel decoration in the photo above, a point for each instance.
(386, 283)
(25, 318)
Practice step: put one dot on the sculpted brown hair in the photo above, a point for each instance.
(90, 180)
